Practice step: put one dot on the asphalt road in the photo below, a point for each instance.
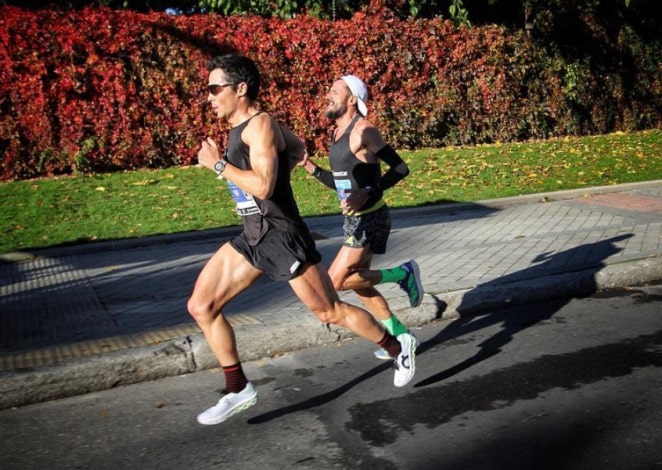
(567, 384)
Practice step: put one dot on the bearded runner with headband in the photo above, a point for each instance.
(355, 154)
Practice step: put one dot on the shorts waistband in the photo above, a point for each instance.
(378, 205)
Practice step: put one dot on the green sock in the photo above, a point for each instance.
(392, 275)
(394, 326)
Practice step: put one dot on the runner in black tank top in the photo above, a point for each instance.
(355, 154)
(275, 240)
(280, 210)
(351, 173)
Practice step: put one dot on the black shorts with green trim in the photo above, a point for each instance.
(280, 255)
(371, 229)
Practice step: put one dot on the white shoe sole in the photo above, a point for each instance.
(239, 407)
(417, 280)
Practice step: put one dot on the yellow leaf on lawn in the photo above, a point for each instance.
(143, 182)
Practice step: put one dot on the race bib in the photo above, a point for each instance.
(246, 204)
(343, 187)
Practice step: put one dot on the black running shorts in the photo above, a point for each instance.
(371, 229)
(280, 255)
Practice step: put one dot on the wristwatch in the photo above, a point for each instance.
(219, 166)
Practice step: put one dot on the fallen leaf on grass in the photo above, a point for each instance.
(143, 182)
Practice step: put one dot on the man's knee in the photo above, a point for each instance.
(341, 281)
(339, 284)
(332, 314)
(200, 310)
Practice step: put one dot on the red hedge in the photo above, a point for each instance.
(103, 90)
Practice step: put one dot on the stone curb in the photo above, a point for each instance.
(190, 354)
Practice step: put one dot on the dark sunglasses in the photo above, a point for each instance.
(216, 88)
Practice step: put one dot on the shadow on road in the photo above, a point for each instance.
(589, 257)
(467, 323)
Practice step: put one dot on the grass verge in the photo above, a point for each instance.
(83, 208)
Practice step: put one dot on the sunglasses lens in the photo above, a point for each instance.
(215, 89)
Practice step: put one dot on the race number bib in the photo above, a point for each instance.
(246, 205)
(343, 187)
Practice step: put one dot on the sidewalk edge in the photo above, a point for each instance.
(191, 354)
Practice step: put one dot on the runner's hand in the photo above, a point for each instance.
(208, 154)
(356, 199)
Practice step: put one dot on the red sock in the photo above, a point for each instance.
(391, 344)
(235, 380)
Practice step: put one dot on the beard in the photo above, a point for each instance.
(335, 113)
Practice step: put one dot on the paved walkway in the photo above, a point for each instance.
(90, 317)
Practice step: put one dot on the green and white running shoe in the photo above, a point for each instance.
(411, 284)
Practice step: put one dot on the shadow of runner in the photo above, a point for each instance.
(468, 323)
(319, 400)
(589, 257)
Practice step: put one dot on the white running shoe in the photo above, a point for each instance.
(405, 363)
(228, 405)
(382, 354)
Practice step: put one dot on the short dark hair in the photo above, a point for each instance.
(238, 68)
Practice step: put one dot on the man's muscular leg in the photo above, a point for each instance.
(350, 270)
(316, 291)
(224, 276)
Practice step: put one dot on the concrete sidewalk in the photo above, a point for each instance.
(92, 317)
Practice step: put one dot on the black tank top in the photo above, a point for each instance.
(348, 171)
(280, 211)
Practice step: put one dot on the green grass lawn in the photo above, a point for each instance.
(79, 209)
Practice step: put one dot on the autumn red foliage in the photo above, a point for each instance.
(101, 90)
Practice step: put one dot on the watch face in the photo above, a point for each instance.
(219, 166)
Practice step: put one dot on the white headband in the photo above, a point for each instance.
(358, 89)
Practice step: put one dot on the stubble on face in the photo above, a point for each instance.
(335, 112)
(337, 100)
